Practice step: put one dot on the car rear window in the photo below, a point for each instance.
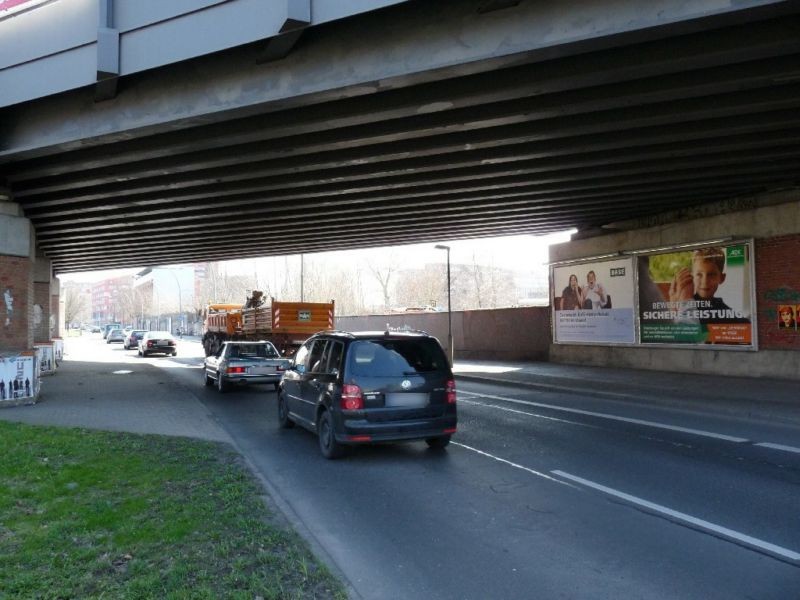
(391, 357)
(254, 351)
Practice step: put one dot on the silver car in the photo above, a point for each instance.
(244, 362)
(115, 335)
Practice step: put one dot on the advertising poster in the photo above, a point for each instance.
(593, 302)
(697, 296)
(16, 377)
(46, 354)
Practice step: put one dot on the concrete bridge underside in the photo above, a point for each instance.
(422, 121)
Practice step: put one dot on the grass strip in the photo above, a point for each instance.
(94, 514)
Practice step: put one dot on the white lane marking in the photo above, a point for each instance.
(724, 531)
(530, 414)
(779, 447)
(513, 464)
(710, 434)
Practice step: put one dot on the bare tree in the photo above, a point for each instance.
(76, 305)
(383, 272)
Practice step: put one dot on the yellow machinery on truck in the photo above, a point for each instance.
(285, 324)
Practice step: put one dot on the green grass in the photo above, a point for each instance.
(89, 514)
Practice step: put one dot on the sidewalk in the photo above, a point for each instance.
(770, 400)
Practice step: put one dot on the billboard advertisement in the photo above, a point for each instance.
(697, 296)
(593, 302)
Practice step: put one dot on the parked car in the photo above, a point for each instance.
(245, 362)
(96, 329)
(157, 342)
(132, 338)
(366, 387)
(115, 335)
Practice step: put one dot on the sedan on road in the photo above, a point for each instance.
(115, 335)
(157, 342)
(132, 338)
(244, 362)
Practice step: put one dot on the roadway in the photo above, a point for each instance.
(543, 493)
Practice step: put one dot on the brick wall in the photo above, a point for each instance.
(15, 276)
(777, 284)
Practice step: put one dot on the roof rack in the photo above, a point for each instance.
(403, 329)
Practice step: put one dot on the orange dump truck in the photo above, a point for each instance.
(285, 324)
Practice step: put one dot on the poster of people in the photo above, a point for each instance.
(697, 296)
(17, 379)
(593, 302)
(788, 316)
(46, 354)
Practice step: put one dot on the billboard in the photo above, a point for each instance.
(698, 296)
(593, 302)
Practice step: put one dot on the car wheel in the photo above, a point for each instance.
(284, 420)
(328, 445)
(222, 387)
(277, 386)
(206, 379)
(139, 351)
(438, 442)
(144, 354)
(175, 353)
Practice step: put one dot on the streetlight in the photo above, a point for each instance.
(180, 303)
(449, 311)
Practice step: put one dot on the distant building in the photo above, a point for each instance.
(106, 299)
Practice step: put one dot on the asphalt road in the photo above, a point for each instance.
(540, 495)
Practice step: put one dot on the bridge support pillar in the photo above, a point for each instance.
(16, 279)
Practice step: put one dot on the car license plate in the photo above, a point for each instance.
(406, 400)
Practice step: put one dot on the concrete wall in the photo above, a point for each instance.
(503, 334)
(774, 223)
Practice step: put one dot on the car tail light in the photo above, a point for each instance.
(234, 370)
(449, 431)
(171, 342)
(351, 397)
(280, 369)
(451, 392)
(149, 343)
(359, 438)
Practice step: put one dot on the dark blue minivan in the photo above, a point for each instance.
(367, 387)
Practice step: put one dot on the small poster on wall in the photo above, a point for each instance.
(593, 302)
(17, 379)
(46, 355)
(698, 296)
(788, 316)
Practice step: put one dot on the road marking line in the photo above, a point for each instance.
(530, 414)
(730, 533)
(710, 434)
(513, 464)
(778, 447)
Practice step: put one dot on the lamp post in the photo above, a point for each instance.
(449, 311)
(180, 303)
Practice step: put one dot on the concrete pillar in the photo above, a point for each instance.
(16, 279)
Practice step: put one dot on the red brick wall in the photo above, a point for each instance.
(777, 284)
(16, 275)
